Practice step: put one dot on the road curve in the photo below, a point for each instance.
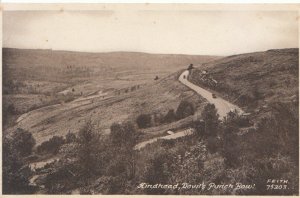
(167, 137)
(223, 107)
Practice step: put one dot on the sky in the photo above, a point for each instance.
(161, 31)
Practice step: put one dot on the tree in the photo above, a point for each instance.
(88, 140)
(23, 142)
(51, 146)
(124, 138)
(158, 170)
(123, 134)
(230, 146)
(184, 109)
(15, 173)
(199, 127)
(211, 120)
(144, 121)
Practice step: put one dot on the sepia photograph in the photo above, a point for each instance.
(150, 100)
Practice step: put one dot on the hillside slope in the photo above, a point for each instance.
(252, 80)
(55, 89)
(157, 97)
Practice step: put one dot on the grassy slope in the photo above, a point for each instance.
(159, 96)
(47, 72)
(121, 71)
(255, 79)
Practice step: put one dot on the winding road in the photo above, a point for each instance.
(223, 107)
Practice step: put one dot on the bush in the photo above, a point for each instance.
(70, 137)
(170, 116)
(213, 144)
(158, 170)
(230, 146)
(15, 175)
(51, 146)
(88, 140)
(237, 120)
(211, 120)
(199, 127)
(123, 134)
(144, 121)
(23, 142)
(184, 109)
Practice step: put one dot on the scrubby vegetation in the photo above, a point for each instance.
(254, 79)
(215, 153)
(239, 149)
(15, 172)
(184, 109)
(51, 146)
(144, 121)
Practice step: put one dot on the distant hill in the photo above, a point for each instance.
(101, 64)
(254, 79)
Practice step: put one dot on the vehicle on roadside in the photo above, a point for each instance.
(214, 96)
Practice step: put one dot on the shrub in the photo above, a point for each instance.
(211, 120)
(184, 109)
(170, 116)
(23, 142)
(158, 170)
(70, 137)
(199, 127)
(51, 146)
(230, 146)
(213, 144)
(15, 176)
(237, 120)
(88, 140)
(144, 121)
(123, 134)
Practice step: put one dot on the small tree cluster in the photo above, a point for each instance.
(51, 146)
(123, 134)
(23, 142)
(87, 141)
(184, 109)
(15, 173)
(209, 127)
(144, 121)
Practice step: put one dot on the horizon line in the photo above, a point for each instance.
(143, 52)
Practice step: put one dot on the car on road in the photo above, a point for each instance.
(183, 76)
(214, 96)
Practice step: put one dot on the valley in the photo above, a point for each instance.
(96, 119)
